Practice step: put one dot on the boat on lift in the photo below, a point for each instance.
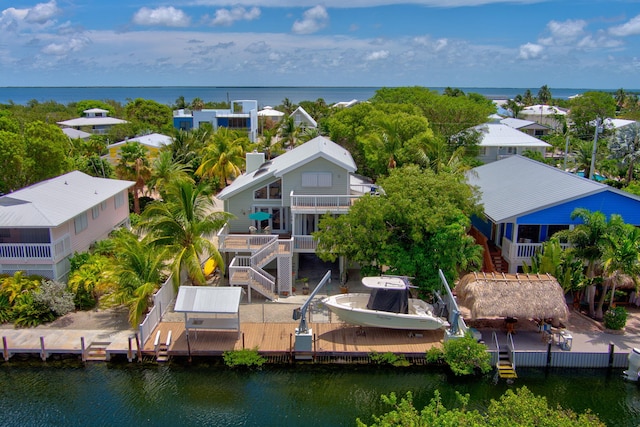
(387, 305)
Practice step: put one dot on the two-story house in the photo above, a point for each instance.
(277, 204)
(42, 225)
(95, 121)
(242, 116)
(498, 141)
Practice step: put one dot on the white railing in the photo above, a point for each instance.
(516, 253)
(322, 204)
(304, 243)
(161, 302)
(50, 251)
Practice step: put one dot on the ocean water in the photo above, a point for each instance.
(264, 95)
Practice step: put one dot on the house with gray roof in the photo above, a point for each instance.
(527, 126)
(277, 205)
(94, 120)
(153, 142)
(42, 225)
(498, 141)
(525, 202)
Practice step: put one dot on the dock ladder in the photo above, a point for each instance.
(162, 349)
(505, 366)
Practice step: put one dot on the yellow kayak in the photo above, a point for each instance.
(209, 267)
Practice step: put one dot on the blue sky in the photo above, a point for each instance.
(457, 43)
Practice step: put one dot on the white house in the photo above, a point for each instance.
(277, 204)
(42, 225)
(95, 120)
(498, 141)
(544, 114)
(242, 116)
(302, 119)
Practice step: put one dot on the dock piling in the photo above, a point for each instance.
(43, 352)
(5, 349)
(83, 349)
(611, 354)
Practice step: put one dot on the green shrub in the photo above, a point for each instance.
(246, 357)
(615, 318)
(435, 355)
(6, 311)
(466, 356)
(30, 313)
(388, 358)
(55, 296)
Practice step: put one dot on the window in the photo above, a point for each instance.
(95, 212)
(539, 132)
(512, 150)
(277, 222)
(103, 205)
(80, 223)
(119, 199)
(272, 191)
(483, 151)
(316, 179)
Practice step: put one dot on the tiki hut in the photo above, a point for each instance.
(529, 296)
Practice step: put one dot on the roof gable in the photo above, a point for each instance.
(501, 135)
(52, 202)
(318, 147)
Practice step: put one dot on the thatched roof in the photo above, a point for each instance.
(623, 281)
(512, 295)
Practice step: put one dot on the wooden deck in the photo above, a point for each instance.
(278, 338)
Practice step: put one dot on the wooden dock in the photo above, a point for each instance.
(332, 339)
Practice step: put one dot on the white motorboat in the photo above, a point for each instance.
(388, 305)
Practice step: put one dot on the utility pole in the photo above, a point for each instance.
(593, 152)
(566, 149)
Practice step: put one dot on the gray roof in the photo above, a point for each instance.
(516, 186)
(500, 135)
(75, 133)
(318, 147)
(92, 121)
(208, 299)
(53, 202)
(156, 140)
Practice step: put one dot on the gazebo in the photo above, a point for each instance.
(487, 295)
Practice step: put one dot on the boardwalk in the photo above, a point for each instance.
(331, 339)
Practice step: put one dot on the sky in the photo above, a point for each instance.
(434, 43)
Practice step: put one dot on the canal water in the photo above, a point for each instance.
(63, 394)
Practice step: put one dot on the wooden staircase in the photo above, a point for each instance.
(250, 272)
(96, 352)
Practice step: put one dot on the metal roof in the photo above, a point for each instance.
(208, 299)
(92, 121)
(53, 202)
(277, 167)
(156, 140)
(501, 135)
(516, 185)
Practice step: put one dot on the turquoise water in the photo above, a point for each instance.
(54, 394)
(264, 95)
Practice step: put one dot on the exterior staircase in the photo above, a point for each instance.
(162, 348)
(505, 366)
(248, 271)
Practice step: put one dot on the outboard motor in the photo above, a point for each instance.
(633, 372)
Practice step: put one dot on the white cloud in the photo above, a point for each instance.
(60, 49)
(530, 51)
(226, 17)
(40, 15)
(627, 29)
(377, 55)
(162, 16)
(436, 45)
(314, 20)
(42, 12)
(353, 3)
(567, 30)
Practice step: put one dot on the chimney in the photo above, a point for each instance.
(254, 160)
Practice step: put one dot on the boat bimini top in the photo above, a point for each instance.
(386, 282)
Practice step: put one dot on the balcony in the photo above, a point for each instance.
(322, 204)
(12, 252)
(517, 253)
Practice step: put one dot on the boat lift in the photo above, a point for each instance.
(304, 335)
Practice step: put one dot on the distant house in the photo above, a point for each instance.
(242, 116)
(346, 104)
(544, 114)
(277, 204)
(615, 124)
(76, 134)
(498, 141)
(42, 225)
(95, 121)
(527, 126)
(303, 120)
(152, 142)
(525, 202)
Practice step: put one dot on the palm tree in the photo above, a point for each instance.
(224, 155)
(134, 166)
(288, 132)
(582, 152)
(589, 240)
(625, 145)
(138, 272)
(621, 258)
(544, 95)
(164, 171)
(184, 224)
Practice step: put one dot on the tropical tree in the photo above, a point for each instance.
(224, 155)
(89, 283)
(588, 109)
(288, 132)
(527, 98)
(184, 223)
(134, 166)
(544, 95)
(621, 258)
(152, 114)
(165, 171)
(410, 231)
(137, 270)
(625, 145)
(589, 240)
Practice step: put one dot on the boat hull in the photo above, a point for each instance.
(351, 308)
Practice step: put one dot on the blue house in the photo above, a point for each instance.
(526, 202)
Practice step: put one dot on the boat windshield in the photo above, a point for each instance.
(393, 301)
